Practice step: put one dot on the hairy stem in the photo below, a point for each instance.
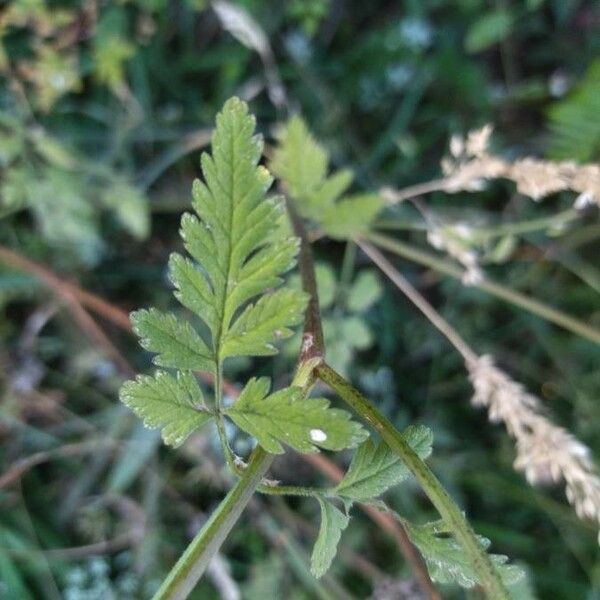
(194, 561)
(511, 296)
(449, 511)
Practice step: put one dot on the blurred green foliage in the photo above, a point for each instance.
(102, 108)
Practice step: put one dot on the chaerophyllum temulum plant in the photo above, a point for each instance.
(240, 246)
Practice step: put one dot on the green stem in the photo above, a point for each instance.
(228, 453)
(449, 511)
(294, 490)
(193, 562)
(530, 304)
(529, 226)
(485, 233)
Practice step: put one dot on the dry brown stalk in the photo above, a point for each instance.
(471, 164)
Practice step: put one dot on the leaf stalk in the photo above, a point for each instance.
(193, 562)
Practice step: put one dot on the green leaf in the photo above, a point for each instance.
(343, 335)
(239, 245)
(355, 332)
(365, 291)
(351, 216)
(176, 343)
(193, 290)
(299, 159)
(330, 190)
(522, 589)
(446, 560)
(241, 253)
(375, 468)
(288, 417)
(175, 405)
(488, 30)
(261, 324)
(333, 522)
(110, 53)
(302, 164)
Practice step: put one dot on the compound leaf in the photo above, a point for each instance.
(233, 239)
(287, 417)
(302, 177)
(302, 164)
(176, 405)
(239, 256)
(333, 522)
(375, 467)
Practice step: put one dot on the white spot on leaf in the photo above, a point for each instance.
(318, 435)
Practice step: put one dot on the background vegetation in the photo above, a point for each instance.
(103, 108)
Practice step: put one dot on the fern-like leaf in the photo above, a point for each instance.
(238, 256)
(240, 250)
(176, 405)
(287, 417)
(375, 467)
(302, 164)
(232, 241)
(333, 522)
(304, 177)
(447, 561)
